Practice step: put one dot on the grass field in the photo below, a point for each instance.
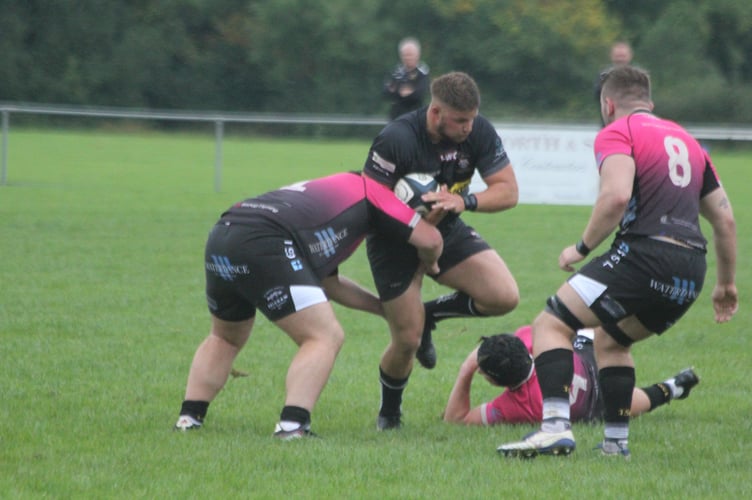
(102, 307)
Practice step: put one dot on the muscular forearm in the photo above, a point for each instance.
(350, 294)
(496, 200)
(725, 247)
(501, 193)
(458, 405)
(605, 218)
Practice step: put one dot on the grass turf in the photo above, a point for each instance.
(101, 309)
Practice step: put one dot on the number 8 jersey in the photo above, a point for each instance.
(672, 173)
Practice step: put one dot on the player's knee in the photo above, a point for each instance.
(337, 337)
(557, 308)
(406, 338)
(499, 303)
(511, 300)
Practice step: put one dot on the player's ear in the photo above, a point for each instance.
(610, 106)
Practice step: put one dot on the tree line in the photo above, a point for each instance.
(533, 59)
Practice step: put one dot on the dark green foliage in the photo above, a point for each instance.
(532, 59)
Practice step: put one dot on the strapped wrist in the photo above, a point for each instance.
(471, 202)
(582, 248)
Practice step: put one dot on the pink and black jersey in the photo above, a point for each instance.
(328, 217)
(673, 173)
(525, 403)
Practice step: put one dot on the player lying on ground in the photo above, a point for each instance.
(505, 360)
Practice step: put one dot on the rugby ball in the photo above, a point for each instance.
(411, 187)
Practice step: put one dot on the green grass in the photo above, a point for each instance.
(102, 307)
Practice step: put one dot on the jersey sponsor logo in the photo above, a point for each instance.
(328, 241)
(448, 156)
(276, 298)
(679, 291)
(257, 206)
(382, 163)
(221, 265)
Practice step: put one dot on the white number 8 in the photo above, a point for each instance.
(679, 168)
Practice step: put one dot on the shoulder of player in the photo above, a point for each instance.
(404, 130)
(483, 122)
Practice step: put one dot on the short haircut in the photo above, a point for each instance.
(456, 90)
(625, 84)
(408, 41)
(505, 359)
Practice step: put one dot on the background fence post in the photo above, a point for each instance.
(219, 127)
(4, 165)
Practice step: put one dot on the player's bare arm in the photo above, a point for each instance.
(458, 408)
(501, 193)
(348, 293)
(427, 239)
(716, 208)
(616, 182)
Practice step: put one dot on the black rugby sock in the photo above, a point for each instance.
(453, 305)
(658, 394)
(295, 414)
(195, 409)
(391, 394)
(617, 384)
(555, 369)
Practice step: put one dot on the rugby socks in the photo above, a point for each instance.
(195, 409)
(617, 384)
(453, 305)
(391, 394)
(658, 394)
(294, 417)
(555, 369)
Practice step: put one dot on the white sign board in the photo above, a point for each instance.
(553, 165)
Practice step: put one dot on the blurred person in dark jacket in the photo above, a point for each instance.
(408, 85)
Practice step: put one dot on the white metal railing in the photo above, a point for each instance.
(220, 118)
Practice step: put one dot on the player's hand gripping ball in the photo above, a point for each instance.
(411, 187)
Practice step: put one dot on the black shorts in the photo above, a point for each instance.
(393, 263)
(247, 268)
(653, 280)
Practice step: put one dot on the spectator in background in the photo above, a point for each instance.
(621, 54)
(408, 85)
